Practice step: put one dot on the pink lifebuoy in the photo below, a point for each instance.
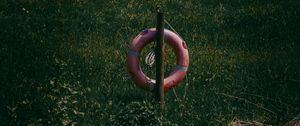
(144, 38)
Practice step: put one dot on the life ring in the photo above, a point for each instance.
(140, 41)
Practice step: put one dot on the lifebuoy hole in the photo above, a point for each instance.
(144, 32)
(170, 59)
(184, 44)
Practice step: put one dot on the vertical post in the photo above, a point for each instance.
(159, 56)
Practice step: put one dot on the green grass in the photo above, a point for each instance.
(64, 62)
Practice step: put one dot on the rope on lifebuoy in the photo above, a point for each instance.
(150, 58)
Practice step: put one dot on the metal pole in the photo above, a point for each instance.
(159, 56)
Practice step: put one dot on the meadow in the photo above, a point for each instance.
(64, 62)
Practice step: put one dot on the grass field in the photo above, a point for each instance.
(63, 62)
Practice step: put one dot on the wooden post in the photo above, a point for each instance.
(159, 56)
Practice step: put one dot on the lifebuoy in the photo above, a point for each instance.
(140, 41)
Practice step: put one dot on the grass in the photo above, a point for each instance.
(63, 62)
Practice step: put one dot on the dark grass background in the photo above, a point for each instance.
(63, 62)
